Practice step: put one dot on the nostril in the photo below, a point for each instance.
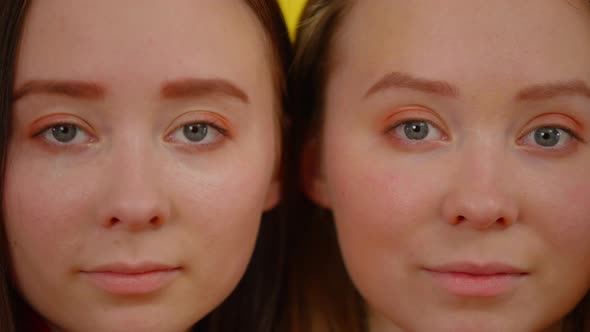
(113, 221)
(135, 223)
(156, 221)
(457, 220)
(503, 221)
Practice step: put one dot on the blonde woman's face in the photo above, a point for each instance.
(455, 156)
(141, 159)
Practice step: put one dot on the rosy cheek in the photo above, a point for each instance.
(376, 199)
(578, 197)
(578, 193)
(567, 222)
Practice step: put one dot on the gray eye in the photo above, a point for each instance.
(547, 136)
(64, 133)
(416, 130)
(195, 132)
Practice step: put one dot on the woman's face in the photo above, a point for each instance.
(141, 159)
(455, 157)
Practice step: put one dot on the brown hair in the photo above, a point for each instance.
(322, 297)
(253, 306)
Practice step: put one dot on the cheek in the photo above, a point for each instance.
(379, 201)
(43, 208)
(566, 223)
(221, 206)
(224, 207)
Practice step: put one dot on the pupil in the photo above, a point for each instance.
(416, 130)
(196, 132)
(64, 133)
(547, 136)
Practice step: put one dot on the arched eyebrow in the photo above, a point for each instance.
(73, 89)
(194, 88)
(401, 80)
(177, 89)
(534, 92)
(553, 90)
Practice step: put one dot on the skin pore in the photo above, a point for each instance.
(137, 130)
(454, 156)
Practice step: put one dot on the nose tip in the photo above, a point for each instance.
(480, 210)
(134, 187)
(135, 203)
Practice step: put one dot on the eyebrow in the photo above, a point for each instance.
(552, 90)
(73, 89)
(188, 88)
(407, 81)
(443, 88)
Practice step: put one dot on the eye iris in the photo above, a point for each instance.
(547, 136)
(64, 133)
(416, 130)
(196, 132)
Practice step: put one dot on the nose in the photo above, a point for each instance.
(479, 195)
(134, 198)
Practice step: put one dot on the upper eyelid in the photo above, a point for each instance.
(220, 130)
(399, 123)
(218, 122)
(417, 113)
(46, 122)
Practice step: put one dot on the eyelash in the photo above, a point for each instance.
(401, 138)
(566, 146)
(45, 134)
(215, 125)
(46, 130)
(392, 131)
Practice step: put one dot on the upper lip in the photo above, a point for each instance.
(477, 268)
(132, 268)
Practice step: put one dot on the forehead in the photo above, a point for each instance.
(130, 42)
(527, 40)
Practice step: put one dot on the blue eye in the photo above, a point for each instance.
(195, 132)
(201, 133)
(549, 137)
(63, 134)
(417, 130)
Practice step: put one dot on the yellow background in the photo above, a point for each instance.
(292, 10)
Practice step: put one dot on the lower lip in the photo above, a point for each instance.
(132, 284)
(477, 285)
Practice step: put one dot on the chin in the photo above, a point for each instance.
(473, 322)
(136, 320)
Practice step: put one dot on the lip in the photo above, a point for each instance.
(465, 279)
(131, 279)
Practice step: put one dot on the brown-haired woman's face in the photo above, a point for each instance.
(455, 157)
(142, 157)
